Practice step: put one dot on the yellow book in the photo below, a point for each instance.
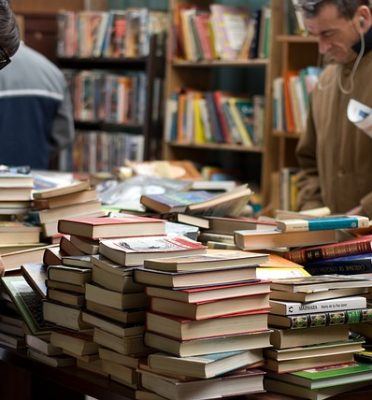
(199, 136)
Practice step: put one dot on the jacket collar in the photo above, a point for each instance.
(368, 42)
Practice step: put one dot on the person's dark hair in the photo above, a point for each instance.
(9, 33)
(346, 8)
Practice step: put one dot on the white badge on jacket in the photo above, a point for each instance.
(360, 115)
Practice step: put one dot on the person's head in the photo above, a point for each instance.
(338, 24)
(9, 33)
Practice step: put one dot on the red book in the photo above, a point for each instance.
(358, 245)
(106, 227)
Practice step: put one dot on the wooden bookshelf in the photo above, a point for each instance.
(289, 52)
(207, 75)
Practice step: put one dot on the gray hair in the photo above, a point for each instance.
(9, 33)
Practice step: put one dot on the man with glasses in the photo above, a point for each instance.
(9, 34)
(36, 119)
(335, 156)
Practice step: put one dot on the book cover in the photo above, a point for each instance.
(324, 223)
(61, 190)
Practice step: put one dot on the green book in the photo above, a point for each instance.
(27, 302)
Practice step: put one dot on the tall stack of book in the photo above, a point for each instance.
(75, 199)
(311, 318)
(208, 318)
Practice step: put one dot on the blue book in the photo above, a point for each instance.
(323, 223)
(346, 265)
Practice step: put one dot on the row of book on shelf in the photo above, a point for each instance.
(164, 313)
(99, 151)
(291, 99)
(220, 31)
(102, 96)
(214, 117)
(110, 34)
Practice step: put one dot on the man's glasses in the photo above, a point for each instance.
(4, 58)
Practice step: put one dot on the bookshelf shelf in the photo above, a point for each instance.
(218, 147)
(296, 39)
(178, 63)
(287, 135)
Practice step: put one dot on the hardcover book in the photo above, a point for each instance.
(323, 223)
(107, 227)
(346, 265)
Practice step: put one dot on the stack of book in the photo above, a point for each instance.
(311, 318)
(51, 205)
(208, 318)
(15, 198)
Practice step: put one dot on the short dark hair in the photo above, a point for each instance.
(9, 33)
(346, 8)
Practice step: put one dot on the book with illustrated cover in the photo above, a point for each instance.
(133, 251)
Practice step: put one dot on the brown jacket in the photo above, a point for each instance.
(334, 155)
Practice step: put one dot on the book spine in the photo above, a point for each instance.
(341, 304)
(330, 318)
(336, 250)
(345, 268)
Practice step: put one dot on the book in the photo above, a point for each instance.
(121, 330)
(120, 373)
(189, 329)
(53, 361)
(204, 366)
(74, 187)
(208, 345)
(52, 256)
(120, 301)
(321, 319)
(357, 245)
(122, 316)
(340, 304)
(192, 220)
(28, 303)
(174, 201)
(16, 180)
(113, 276)
(63, 316)
(42, 345)
(322, 282)
(326, 377)
(254, 240)
(323, 223)
(79, 343)
(64, 200)
(109, 355)
(86, 245)
(209, 293)
(233, 384)
(277, 386)
(108, 227)
(314, 350)
(288, 338)
(67, 298)
(35, 275)
(186, 279)
(346, 265)
(18, 232)
(310, 362)
(68, 248)
(228, 226)
(72, 275)
(321, 295)
(133, 251)
(14, 260)
(50, 284)
(211, 260)
(127, 345)
(77, 261)
(209, 309)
